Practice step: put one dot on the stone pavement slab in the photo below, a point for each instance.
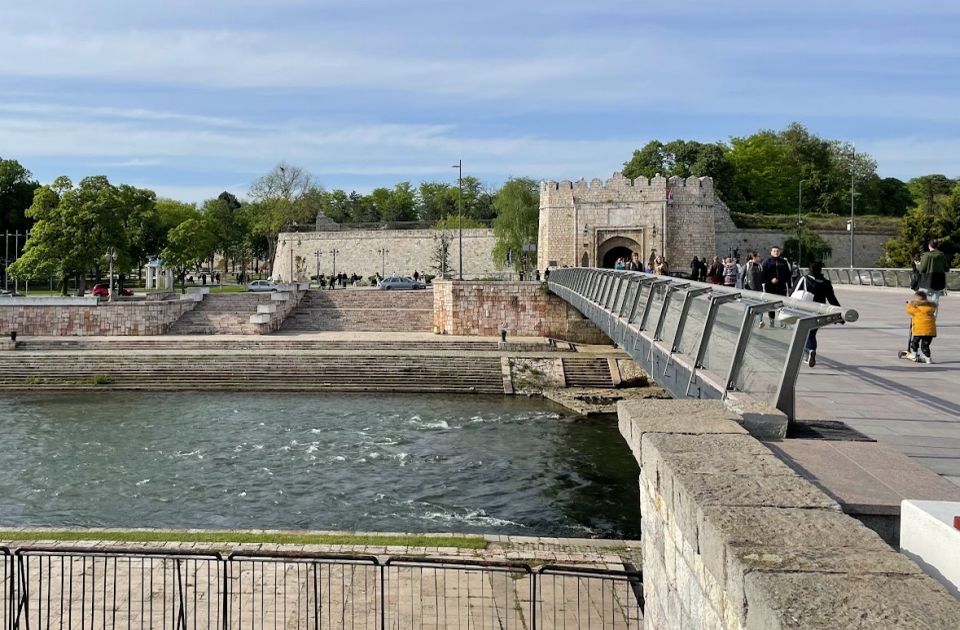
(913, 408)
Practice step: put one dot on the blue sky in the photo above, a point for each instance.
(194, 97)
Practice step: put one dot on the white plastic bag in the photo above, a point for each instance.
(801, 293)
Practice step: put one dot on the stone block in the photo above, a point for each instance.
(260, 318)
(761, 420)
(867, 602)
(279, 296)
(266, 308)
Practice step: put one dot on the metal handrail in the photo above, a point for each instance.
(108, 586)
(637, 325)
(882, 277)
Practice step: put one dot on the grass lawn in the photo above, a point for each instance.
(213, 536)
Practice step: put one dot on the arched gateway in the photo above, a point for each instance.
(617, 247)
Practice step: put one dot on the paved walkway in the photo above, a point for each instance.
(914, 408)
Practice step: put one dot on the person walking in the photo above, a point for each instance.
(634, 263)
(933, 274)
(923, 326)
(753, 273)
(715, 271)
(776, 277)
(815, 282)
(730, 272)
(619, 266)
(695, 268)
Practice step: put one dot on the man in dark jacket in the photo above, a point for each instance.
(776, 277)
(776, 274)
(933, 273)
(822, 290)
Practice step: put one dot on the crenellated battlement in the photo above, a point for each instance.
(618, 182)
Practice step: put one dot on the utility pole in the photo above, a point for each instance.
(459, 166)
(6, 260)
(111, 256)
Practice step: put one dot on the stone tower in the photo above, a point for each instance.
(590, 225)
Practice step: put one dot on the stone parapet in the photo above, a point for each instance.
(525, 309)
(90, 318)
(733, 538)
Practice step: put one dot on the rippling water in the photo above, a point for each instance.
(313, 461)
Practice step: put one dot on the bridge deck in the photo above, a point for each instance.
(859, 380)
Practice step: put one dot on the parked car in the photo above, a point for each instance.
(395, 282)
(7, 294)
(102, 290)
(261, 285)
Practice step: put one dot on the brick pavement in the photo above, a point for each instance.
(914, 408)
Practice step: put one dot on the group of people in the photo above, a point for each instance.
(341, 280)
(929, 283)
(656, 265)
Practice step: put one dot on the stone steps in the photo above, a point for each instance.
(213, 371)
(587, 372)
(221, 314)
(269, 344)
(363, 311)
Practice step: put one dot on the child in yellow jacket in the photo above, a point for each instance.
(923, 327)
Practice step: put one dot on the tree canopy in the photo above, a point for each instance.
(518, 211)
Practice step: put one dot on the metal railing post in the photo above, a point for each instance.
(661, 318)
(786, 388)
(646, 308)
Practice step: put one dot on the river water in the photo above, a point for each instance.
(313, 461)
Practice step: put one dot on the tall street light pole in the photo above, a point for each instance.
(317, 254)
(111, 256)
(800, 225)
(334, 252)
(383, 258)
(459, 167)
(853, 163)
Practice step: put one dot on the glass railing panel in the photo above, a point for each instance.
(877, 278)
(659, 292)
(644, 290)
(621, 294)
(865, 276)
(723, 338)
(672, 318)
(696, 316)
(629, 295)
(764, 358)
(953, 281)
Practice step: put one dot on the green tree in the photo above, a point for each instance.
(224, 219)
(683, 158)
(807, 247)
(76, 225)
(895, 197)
(437, 200)
(937, 219)
(16, 195)
(926, 188)
(284, 196)
(518, 212)
(189, 243)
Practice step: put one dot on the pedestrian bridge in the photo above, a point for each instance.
(701, 340)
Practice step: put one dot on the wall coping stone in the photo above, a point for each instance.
(50, 301)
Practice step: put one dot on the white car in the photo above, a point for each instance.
(261, 285)
(396, 282)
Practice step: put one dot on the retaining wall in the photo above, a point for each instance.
(47, 318)
(527, 309)
(733, 538)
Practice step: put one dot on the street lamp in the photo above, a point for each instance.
(334, 252)
(853, 162)
(800, 224)
(459, 167)
(111, 257)
(316, 253)
(383, 257)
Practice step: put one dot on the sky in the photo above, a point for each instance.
(190, 98)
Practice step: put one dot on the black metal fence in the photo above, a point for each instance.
(125, 588)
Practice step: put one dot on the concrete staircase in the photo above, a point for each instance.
(253, 371)
(221, 314)
(363, 310)
(587, 372)
(271, 343)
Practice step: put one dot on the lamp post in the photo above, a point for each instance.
(853, 164)
(383, 257)
(459, 167)
(317, 254)
(800, 224)
(111, 257)
(334, 252)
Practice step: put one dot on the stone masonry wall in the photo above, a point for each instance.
(868, 246)
(734, 539)
(118, 318)
(527, 309)
(407, 251)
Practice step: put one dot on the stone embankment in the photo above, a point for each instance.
(733, 538)
(89, 316)
(237, 314)
(363, 311)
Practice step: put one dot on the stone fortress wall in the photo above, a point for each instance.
(582, 223)
(357, 252)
